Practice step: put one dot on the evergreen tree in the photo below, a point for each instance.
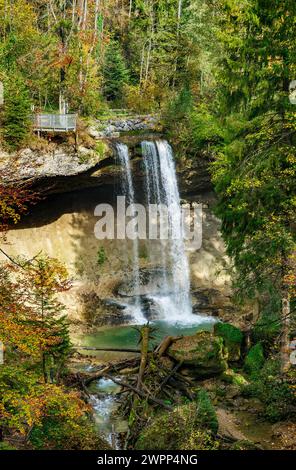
(254, 172)
(115, 73)
(16, 114)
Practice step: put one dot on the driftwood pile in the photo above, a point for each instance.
(151, 381)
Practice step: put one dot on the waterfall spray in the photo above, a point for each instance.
(173, 302)
(171, 299)
(128, 190)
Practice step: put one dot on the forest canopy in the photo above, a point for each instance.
(218, 75)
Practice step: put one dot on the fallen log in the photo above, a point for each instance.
(87, 348)
(168, 377)
(96, 376)
(140, 393)
(165, 344)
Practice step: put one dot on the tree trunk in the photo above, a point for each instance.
(285, 336)
(144, 352)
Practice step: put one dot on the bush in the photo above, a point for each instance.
(275, 394)
(101, 256)
(254, 359)
(184, 428)
(207, 417)
(268, 326)
(6, 446)
(58, 433)
(233, 338)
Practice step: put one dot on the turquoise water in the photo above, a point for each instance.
(126, 336)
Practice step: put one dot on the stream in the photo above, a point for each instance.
(103, 392)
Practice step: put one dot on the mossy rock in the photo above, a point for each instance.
(180, 429)
(204, 352)
(233, 338)
(231, 377)
(255, 359)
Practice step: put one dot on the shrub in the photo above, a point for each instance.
(184, 428)
(275, 393)
(101, 256)
(254, 359)
(6, 446)
(268, 326)
(233, 338)
(206, 412)
(58, 433)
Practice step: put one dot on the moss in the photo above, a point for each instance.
(254, 359)
(6, 446)
(234, 378)
(233, 338)
(203, 352)
(181, 429)
(101, 149)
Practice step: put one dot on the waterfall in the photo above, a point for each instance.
(171, 299)
(173, 302)
(127, 188)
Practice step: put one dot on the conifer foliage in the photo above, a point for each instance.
(16, 114)
(115, 73)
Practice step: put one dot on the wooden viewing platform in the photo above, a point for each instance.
(54, 122)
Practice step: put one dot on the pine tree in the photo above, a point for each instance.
(254, 172)
(115, 73)
(16, 114)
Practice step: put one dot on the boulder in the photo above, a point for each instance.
(204, 352)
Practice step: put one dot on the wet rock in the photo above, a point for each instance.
(151, 282)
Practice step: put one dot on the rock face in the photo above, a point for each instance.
(151, 282)
(115, 126)
(194, 175)
(64, 225)
(59, 170)
(203, 352)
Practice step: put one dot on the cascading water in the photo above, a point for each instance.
(127, 188)
(173, 302)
